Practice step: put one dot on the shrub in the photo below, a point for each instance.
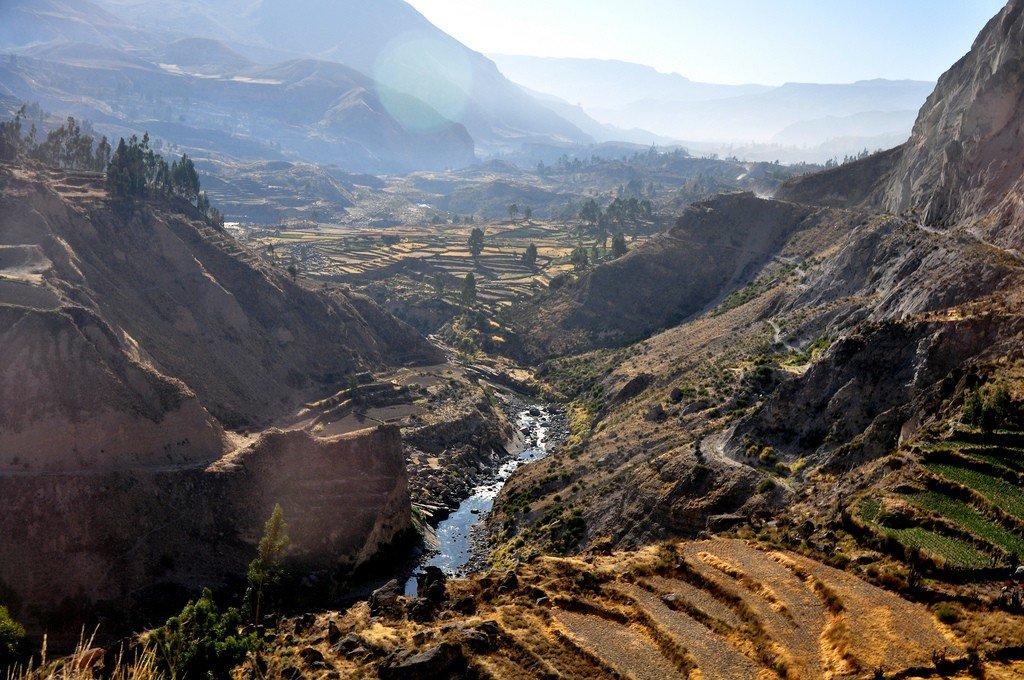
(766, 485)
(202, 642)
(12, 639)
(768, 456)
(947, 614)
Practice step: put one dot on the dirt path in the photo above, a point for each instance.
(779, 339)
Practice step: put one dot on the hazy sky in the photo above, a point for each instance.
(729, 41)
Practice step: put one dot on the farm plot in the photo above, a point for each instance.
(885, 631)
(969, 518)
(627, 650)
(790, 614)
(952, 550)
(1010, 459)
(1000, 493)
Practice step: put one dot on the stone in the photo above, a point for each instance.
(443, 662)
(384, 601)
(465, 605)
(347, 644)
(655, 413)
(432, 585)
(422, 610)
(311, 655)
(509, 583)
(333, 633)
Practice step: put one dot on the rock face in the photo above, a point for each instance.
(133, 341)
(962, 159)
(962, 162)
(129, 542)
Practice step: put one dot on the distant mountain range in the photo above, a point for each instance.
(387, 40)
(868, 113)
(375, 87)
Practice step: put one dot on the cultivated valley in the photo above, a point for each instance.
(333, 348)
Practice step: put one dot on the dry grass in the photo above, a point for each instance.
(86, 663)
(762, 590)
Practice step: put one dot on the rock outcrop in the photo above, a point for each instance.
(962, 164)
(963, 159)
(130, 544)
(137, 344)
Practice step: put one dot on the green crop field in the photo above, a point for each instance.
(969, 518)
(953, 550)
(1003, 495)
(869, 508)
(1011, 459)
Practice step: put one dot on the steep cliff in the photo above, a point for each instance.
(962, 164)
(124, 546)
(134, 340)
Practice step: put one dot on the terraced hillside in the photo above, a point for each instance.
(957, 500)
(417, 272)
(720, 609)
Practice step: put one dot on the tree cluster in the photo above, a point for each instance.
(67, 147)
(621, 212)
(133, 170)
(990, 411)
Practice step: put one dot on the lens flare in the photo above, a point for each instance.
(416, 69)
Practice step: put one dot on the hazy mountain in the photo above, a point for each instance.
(601, 132)
(388, 40)
(30, 22)
(314, 110)
(603, 83)
(759, 117)
(826, 118)
(881, 124)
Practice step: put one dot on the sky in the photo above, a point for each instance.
(729, 41)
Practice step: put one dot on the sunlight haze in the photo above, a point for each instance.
(731, 41)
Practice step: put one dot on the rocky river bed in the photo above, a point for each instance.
(461, 539)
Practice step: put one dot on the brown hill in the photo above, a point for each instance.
(714, 248)
(132, 340)
(864, 332)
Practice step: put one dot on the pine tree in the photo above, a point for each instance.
(476, 242)
(265, 570)
(530, 256)
(469, 290)
(619, 247)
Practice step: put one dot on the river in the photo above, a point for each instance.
(455, 533)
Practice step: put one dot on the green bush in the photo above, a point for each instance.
(989, 412)
(947, 614)
(202, 642)
(12, 639)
